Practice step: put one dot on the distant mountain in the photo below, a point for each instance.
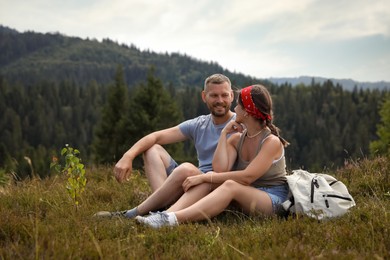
(31, 57)
(347, 84)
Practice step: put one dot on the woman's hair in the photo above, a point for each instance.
(262, 100)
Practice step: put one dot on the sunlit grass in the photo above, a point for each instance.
(38, 221)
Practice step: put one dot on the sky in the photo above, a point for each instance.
(340, 39)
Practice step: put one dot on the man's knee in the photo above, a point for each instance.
(156, 154)
(188, 169)
(153, 151)
(184, 170)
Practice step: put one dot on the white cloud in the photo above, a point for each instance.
(332, 20)
(260, 38)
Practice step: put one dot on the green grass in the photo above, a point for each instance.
(38, 220)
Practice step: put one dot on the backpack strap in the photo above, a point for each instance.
(288, 204)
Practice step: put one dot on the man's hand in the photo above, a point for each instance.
(123, 169)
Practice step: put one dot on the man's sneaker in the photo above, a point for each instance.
(130, 213)
(159, 219)
(107, 214)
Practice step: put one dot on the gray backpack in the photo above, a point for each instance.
(317, 195)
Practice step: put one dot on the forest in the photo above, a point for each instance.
(101, 97)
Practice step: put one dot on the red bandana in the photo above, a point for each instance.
(250, 106)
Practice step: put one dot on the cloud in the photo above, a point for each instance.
(255, 37)
(332, 21)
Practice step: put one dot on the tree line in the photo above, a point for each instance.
(30, 58)
(324, 123)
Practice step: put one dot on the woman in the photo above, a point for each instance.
(255, 152)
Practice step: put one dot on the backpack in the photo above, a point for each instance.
(317, 195)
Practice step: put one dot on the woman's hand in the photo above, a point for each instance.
(233, 127)
(192, 181)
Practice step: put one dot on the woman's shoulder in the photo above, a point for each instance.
(271, 139)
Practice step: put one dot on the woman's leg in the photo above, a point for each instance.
(191, 196)
(248, 198)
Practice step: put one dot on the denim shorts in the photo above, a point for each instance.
(172, 165)
(278, 194)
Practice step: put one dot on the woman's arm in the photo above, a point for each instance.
(270, 151)
(226, 151)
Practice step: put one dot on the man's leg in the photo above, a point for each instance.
(191, 196)
(250, 199)
(158, 164)
(170, 190)
(156, 161)
(167, 193)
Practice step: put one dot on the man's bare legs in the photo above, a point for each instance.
(166, 190)
(170, 190)
(250, 199)
(156, 161)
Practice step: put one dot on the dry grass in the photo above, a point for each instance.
(39, 221)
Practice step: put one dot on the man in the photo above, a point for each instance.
(164, 174)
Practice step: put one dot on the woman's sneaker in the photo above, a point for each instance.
(158, 219)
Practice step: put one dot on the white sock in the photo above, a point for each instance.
(172, 219)
(131, 213)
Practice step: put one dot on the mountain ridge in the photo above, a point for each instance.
(348, 84)
(32, 56)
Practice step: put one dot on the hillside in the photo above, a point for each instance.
(30, 57)
(347, 84)
(53, 89)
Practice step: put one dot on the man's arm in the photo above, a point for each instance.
(124, 166)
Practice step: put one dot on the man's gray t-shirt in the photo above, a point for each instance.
(205, 135)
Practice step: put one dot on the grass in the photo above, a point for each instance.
(38, 220)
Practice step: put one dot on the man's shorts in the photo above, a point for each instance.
(172, 165)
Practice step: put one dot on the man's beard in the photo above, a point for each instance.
(216, 113)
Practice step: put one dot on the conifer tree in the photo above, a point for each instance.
(382, 145)
(151, 109)
(108, 136)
